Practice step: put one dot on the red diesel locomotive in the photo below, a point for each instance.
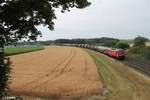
(116, 53)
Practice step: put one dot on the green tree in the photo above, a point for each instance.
(18, 20)
(111, 43)
(140, 41)
(122, 45)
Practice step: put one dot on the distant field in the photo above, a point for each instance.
(148, 43)
(19, 50)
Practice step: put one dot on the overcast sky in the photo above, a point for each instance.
(124, 19)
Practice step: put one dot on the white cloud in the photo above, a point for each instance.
(123, 18)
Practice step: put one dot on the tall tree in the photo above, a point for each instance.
(18, 20)
(140, 41)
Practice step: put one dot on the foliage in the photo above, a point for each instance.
(139, 49)
(146, 53)
(103, 40)
(4, 74)
(140, 52)
(19, 19)
(140, 41)
(111, 43)
(122, 45)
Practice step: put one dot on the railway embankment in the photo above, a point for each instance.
(121, 81)
(141, 66)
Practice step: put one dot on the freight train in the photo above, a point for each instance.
(112, 52)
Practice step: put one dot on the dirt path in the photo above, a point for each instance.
(55, 72)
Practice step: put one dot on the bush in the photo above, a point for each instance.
(134, 50)
(143, 52)
(122, 45)
(147, 53)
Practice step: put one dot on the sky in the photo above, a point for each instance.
(123, 19)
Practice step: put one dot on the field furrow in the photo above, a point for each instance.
(64, 72)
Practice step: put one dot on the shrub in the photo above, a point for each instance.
(146, 53)
(122, 45)
(143, 52)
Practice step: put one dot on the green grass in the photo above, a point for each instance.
(20, 50)
(122, 82)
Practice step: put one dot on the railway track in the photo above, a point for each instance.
(142, 67)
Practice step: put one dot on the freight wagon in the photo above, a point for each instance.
(115, 53)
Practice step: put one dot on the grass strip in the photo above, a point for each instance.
(24, 49)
